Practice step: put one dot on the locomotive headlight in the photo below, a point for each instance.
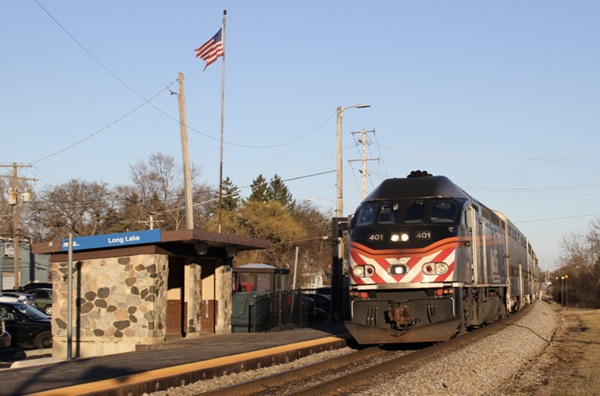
(398, 269)
(399, 237)
(359, 271)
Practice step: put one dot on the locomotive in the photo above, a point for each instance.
(427, 261)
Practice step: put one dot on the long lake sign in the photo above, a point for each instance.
(113, 240)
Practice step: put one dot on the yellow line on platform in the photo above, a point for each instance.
(118, 382)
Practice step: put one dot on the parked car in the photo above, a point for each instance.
(6, 298)
(35, 285)
(5, 338)
(43, 300)
(29, 300)
(27, 326)
(322, 301)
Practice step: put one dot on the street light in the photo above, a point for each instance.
(562, 290)
(566, 292)
(338, 256)
(340, 190)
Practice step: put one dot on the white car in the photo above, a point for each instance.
(29, 299)
(19, 299)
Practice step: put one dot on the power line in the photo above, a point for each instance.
(91, 55)
(106, 127)
(114, 75)
(311, 175)
(502, 158)
(273, 145)
(558, 218)
(534, 189)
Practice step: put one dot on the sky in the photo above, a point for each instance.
(500, 97)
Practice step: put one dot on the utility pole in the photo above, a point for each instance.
(187, 174)
(150, 222)
(13, 200)
(364, 159)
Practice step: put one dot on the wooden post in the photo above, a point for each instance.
(187, 174)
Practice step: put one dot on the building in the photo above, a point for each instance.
(32, 267)
(133, 289)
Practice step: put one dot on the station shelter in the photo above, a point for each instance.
(135, 289)
(256, 288)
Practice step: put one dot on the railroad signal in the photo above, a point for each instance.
(343, 227)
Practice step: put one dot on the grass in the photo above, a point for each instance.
(576, 370)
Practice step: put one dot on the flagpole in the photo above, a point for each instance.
(222, 119)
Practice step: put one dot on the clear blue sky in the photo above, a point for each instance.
(501, 97)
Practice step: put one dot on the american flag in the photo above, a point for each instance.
(211, 50)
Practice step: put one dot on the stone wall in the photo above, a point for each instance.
(193, 288)
(119, 302)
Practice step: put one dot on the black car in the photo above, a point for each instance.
(35, 285)
(27, 326)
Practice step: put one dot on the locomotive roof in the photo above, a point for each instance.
(417, 187)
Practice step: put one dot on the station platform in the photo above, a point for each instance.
(203, 357)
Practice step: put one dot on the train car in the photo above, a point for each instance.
(428, 261)
(522, 267)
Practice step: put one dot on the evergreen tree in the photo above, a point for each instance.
(231, 195)
(260, 190)
(278, 191)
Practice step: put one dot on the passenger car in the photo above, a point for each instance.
(43, 299)
(7, 298)
(35, 285)
(29, 299)
(27, 326)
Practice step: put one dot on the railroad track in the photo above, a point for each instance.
(349, 373)
(281, 383)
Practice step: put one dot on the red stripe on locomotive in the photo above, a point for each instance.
(412, 258)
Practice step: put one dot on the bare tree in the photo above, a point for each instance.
(315, 252)
(5, 210)
(158, 184)
(76, 207)
(579, 276)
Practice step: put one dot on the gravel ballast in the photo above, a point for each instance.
(482, 368)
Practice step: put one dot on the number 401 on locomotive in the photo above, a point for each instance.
(428, 261)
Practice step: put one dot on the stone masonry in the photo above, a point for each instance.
(119, 302)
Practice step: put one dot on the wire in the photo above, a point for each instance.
(558, 218)
(503, 158)
(89, 53)
(273, 145)
(106, 127)
(312, 175)
(386, 173)
(92, 55)
(534, 189)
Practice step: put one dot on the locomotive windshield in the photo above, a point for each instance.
(431, 211)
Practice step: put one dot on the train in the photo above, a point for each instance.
(427, 261)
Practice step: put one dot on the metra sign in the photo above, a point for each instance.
(112, 240)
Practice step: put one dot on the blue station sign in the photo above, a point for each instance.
(112, 240)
